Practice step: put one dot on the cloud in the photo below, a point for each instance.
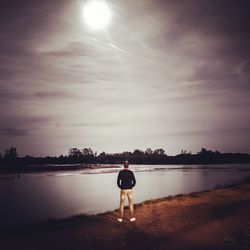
(54, 94)
(25, 122)
(97, 124)
(8, 95)
(13, 132)
(72, 50)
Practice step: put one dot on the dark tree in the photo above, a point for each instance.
(11, 153)
(138, 152)
(148, 151)
(75, 153)
(88, 152)
(159, 151)
(183, 152)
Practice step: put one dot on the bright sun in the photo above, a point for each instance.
(97, 14)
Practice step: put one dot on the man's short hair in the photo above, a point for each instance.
(126, 164)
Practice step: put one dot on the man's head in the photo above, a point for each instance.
(126, 164)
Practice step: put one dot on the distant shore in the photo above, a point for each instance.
(78, 159)
(216, 219)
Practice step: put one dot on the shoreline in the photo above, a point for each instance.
(211, 219)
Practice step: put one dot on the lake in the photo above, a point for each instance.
(36, 197)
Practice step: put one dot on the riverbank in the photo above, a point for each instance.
(217, 219)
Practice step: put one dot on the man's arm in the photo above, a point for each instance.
(119, 180)
(133, 179)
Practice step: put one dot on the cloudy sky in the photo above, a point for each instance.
(165, 74)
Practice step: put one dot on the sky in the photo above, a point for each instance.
(165, 74)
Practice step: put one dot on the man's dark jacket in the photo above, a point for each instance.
(126, 179)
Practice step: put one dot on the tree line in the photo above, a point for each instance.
(137, 156)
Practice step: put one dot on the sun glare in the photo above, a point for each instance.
(96, 14)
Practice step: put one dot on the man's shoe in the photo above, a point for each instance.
(133, 219)
(119, 219)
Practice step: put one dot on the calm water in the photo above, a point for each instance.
(37, 197)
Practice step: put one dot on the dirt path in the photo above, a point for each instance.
(218, 219)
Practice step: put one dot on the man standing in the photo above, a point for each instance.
(126, 181)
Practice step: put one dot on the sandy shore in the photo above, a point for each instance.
(217, 219)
